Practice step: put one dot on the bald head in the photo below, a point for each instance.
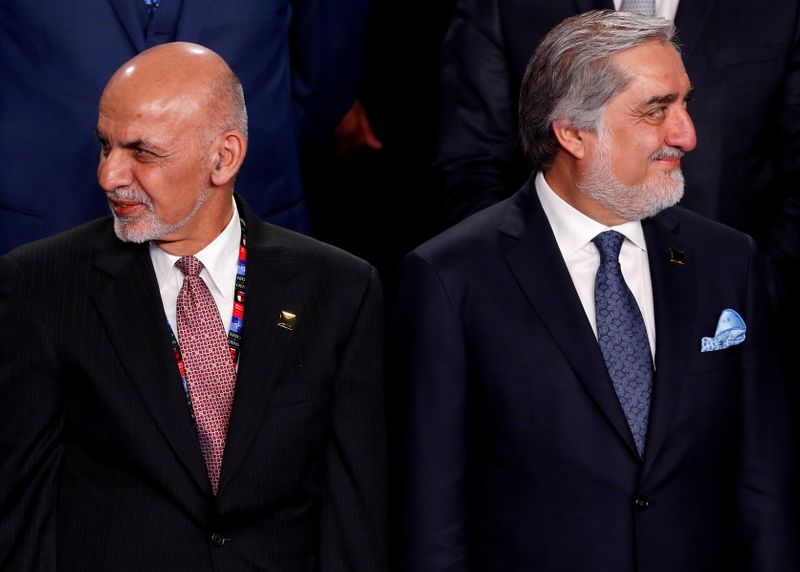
(173, 132)
(188, 78)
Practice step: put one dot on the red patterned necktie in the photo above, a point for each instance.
(210, 371)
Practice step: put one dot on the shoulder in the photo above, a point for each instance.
(320, 265)
(297, 252)
(57, 272)
(63, 250)
(468, 243)
(703, 233)
(480, 244)
(308, 252)
(721, 256)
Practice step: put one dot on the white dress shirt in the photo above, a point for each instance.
(574, 232)
(219, 258)
(664, 8)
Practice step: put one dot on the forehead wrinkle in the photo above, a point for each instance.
(157, 124)
(153, 94)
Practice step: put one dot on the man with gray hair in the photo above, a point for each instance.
(589, 373)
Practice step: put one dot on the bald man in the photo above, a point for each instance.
(185, 387)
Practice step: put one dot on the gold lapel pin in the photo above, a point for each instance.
(287, 320)
(677, 256)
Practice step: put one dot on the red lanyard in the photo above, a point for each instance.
(237, 319)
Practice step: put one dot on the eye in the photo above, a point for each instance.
(658, 112)
(142, 154)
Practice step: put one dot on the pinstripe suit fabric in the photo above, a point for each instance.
(100, 468)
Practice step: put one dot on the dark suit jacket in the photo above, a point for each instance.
(299, 62)
(519, 456)
(743, 59)
(100, 467)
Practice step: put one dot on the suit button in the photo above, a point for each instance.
(642, 503)
(218, 540)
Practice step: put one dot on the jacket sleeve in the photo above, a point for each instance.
(782, 243)
(478, 157)
(767, 478)
(326, 42)
(31, 420)
(354, 519)
(432, 361)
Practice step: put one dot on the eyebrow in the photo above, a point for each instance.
(135, 144)
(668, 98)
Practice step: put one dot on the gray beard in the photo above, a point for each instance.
(631, 202)
(149, 226)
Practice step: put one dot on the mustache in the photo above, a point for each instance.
(667, 153)
(127, 194)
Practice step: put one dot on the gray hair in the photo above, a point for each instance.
(225, 100)
(238, 112)
(571, 76)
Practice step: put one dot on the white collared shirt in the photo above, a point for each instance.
(574, 232)
(219, 260)
(664, 8)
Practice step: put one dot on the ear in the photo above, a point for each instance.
(572, 140)
(228, 153)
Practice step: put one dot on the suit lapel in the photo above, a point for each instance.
(129, 19)
(132, 311)
(539, 268)
(674, 301)
(271, 271)
(192, 20)
(690, 21)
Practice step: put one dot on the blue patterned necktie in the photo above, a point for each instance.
(643, 7)
(623, 337)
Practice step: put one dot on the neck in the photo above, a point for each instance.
(200, 230)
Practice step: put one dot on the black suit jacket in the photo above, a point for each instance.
(519, 456)
(743, 59)
(100, 467)
(299, 62)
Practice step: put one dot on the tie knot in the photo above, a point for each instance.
(643, 7)
(609, 244)
(189, 265)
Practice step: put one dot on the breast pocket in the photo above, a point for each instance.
(294, 392)
(719, 360)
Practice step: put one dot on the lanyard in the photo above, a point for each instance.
(237, 319)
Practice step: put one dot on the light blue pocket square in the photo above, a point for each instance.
(730, 332)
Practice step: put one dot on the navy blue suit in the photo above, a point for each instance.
(743, 59)
(518, 455)
(299, 62)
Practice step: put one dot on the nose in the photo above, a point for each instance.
(113, 170)
(681, 133)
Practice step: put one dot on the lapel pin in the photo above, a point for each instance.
(287, 320)
(677, 256)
